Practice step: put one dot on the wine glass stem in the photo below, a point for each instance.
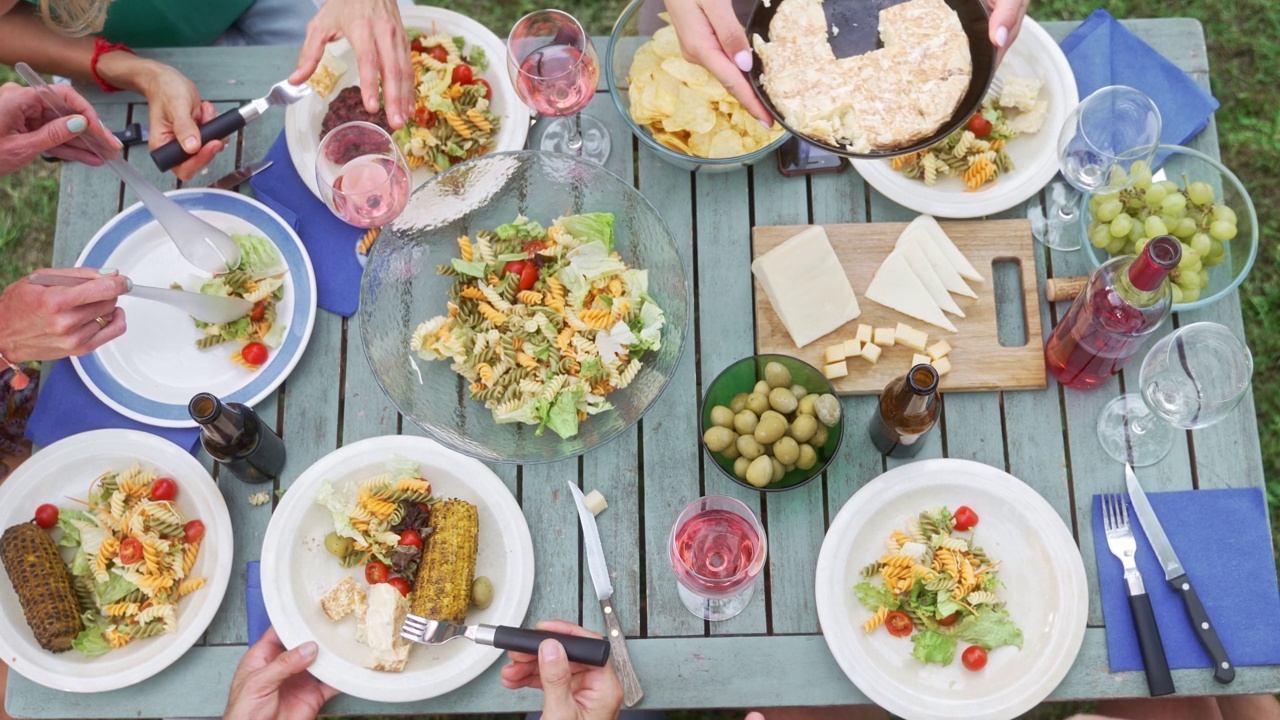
(574, 141)
(1142, 424)
(1068, 209)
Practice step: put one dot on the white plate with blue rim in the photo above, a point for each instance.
(150, 373)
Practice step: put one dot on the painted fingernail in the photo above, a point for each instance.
(1002, 36)
(128, 284)
(107, 271)
(767, 125)
(191, 144)
(549, 650)
(77, 124)
(743, 60)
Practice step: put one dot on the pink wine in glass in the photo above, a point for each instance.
(370, 190)
(714, 551)
(558, 80)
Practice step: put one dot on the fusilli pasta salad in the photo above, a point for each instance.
(545, 323)
(938, 588)
(451, 120)
(259, 279)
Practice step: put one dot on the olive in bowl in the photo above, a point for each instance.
(771, 422)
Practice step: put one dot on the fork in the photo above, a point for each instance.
(1120, 540)
(585, 650)
(171, 154)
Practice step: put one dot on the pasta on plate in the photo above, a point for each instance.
(452, 120)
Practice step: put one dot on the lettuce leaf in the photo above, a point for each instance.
(529, 413)
(649, 327)
(400, 467)
(637, 281)
(562, 418)
(90, 641)
(115, 588)
(874, 597)
(71, 533)
(989, 629)
(592, 261)
(590, 227)
(521, 227)
(238, 329)
(259, 256)
(474, 268)
(275, 336)
(477, 57)
(337, 503)
(80, 564)
(932, 646)
(947, 606)
(215, 286)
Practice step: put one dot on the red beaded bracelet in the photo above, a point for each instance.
(102, 47)
(20, 379)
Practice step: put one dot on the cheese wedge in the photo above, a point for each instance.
(923, 269)
(807, 286)
(897, 288)
(949, 249)
(951, 280)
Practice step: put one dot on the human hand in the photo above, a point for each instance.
(176, 112)
(47, 323)
(377, 36)
(28, 127)
(571, 691)
(272, 683)
(753, 715)
(1006, 20)
(711, 37)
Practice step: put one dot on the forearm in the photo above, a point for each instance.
(25, 38)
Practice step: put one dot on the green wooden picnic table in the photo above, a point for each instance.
(772, 654)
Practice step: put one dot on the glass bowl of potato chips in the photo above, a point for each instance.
(677, 108)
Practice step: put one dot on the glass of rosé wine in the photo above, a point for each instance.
(718, 549)
(362, 175)
(555, 70)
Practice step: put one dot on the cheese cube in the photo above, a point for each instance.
(806, 285)
(871, 353)
(902, 333)
(834, 353)
(595, 502)
(836, 370)
(884, 337)
(942, 365)
(852, 348)
(918, 359)
(864, 333)
(916, 340)
(939, 350)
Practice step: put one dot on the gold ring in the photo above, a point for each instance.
(101, 323)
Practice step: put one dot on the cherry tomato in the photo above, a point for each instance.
(255, 353)
(411, 538)
(974, 658)
(528, 276)
(979, 126)
(949, 620)
(424, 507)
(488, 89)
(47, 516)
(130, 551)
(515, 267)
(438, 54)
(965, 518)
(424, 117)
(898, 624)
(400, 584)
(164, 489)
(259, 309)
(533, 247)
(193, 531)
(462, 74)
(416, 45)
(376, 572)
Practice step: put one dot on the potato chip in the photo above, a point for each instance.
(673, 141)
(726, 144)
(686, 72)
(666, 43)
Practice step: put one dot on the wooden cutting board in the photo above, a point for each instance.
(978, 360)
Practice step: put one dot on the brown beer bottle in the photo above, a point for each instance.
(234, 435)
(908, 409)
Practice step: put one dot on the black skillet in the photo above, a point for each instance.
(859, 23)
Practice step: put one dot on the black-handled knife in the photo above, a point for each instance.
(132, 134)
(1223, 671)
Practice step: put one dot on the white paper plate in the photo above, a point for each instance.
(297, 570)
(1041, 568)
(65, 470)
(303, 119)
(151, 372)
(1035, 157)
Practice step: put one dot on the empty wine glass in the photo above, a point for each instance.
(362, 175)
(1107, 141)
(1191, 378)
(717, 550)
(555, 70)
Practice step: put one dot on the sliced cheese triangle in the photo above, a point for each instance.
(923, 269)
(951, 280)
(897, 288)
(948, 248)
(807, 286)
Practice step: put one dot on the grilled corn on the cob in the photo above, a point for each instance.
(43, 585)
(443, 588)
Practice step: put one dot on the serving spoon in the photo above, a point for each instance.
(205, 308)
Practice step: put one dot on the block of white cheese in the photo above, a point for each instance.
(947, 274)
(807, 286)
(923, 269)
(949, 249)
(897, 288)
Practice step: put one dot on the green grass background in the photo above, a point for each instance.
(1244, 58)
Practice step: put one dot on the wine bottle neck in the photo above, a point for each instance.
(1159, 258)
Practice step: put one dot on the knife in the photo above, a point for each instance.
(631, 691)
(1223, 671)
(239, 175)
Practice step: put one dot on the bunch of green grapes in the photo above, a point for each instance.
(1124, 222)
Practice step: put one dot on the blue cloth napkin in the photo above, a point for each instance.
(330, 242)
(1224, 542)
(255, 611)
(1103, 52)
(66, 407)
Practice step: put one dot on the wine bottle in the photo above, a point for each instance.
(234, 435)
(1125, 300)
(908, 410)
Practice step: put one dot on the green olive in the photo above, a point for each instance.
(808, 457)
(771, 427)
(819, 438)
(782, 400)
(749, 448)
(758, 402)
(481, 592)
(338, 545)
(740, 467)
(718, 438)
(786, 450)
(799, 391)
(778, 469)
(827, 408)
(738, 403)
(762, 387)
(803, 428)
(731, 452)
(722, 416)
(745, 422)
(760, 472)
(806, 404)
(777, 375)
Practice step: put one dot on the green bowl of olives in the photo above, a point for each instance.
(771, 422)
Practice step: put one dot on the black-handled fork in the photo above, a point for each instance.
(1120, 540)
(172, 154)
(588, 651)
